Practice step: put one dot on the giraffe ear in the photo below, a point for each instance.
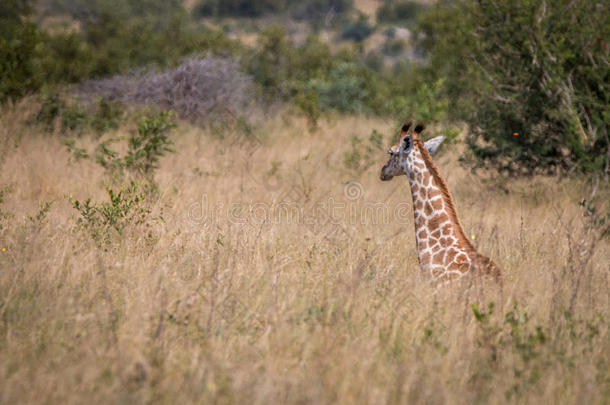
(433, 144)
(405, 145)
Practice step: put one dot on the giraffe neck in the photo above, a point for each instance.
(442, 246)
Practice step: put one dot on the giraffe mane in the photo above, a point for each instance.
(450, 206)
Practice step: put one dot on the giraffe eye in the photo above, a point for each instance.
(407, 143)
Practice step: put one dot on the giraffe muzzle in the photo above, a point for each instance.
(385, 176)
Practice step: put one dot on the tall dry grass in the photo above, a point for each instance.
(236, 304)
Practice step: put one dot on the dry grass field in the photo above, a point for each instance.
(280, 270)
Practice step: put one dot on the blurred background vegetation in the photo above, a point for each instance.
(529, 78)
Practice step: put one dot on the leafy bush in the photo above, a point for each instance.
(236, 8)
(271, 64)
(345, 90)
(105, 219)
(113, 38)
(75, 151)
(145, 147)
(529, 77)
(150, 143)
(74, 118)
(399, 11)
(314, 78)
(106, 115)
(318, 11)
(303, 9)
(393, 47)
(157, 12)
(19, 40)
(424, 102)
(51, 109)
(357, 30)
(65, 58)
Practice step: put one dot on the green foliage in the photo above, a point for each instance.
(65, 58)
(106, 115)
(313, 10)
(351, 87)
(399, 11)
(344, 90)
(317, 11)
(19, 40)
(393, 47)
(317, 80)
(75, 151)
(357, 30)
(426, 102)
(115, 37)
(42, 213)
(529, 77)
(51, 109)
(102, 220)
(308, 102)
(150, 143)
(236, 8)
(145, 147)
(74, 118)
(271, 64)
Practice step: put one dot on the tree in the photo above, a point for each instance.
(530, 77)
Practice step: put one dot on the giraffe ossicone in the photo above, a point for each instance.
(443, 249)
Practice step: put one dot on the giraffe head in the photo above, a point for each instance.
(399, 163)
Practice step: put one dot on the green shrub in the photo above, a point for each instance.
(75, 151)
(74, 118)
(399, 11)
(107, 116)
(105, 219)
(65, 58)
(271, 63)
(145, 147)
(236, 8)
(114, 37)
(393, 47)
(317, 11)
(313, 10)
(357, 30)
(19, 40)
(529, 77)
(51, 108)
(345, 90)
(150, 143)
(424, 102)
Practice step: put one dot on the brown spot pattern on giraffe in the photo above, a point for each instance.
(423, 234)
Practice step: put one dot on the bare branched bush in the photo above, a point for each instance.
(194, 89)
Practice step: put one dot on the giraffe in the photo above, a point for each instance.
(443, 249)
